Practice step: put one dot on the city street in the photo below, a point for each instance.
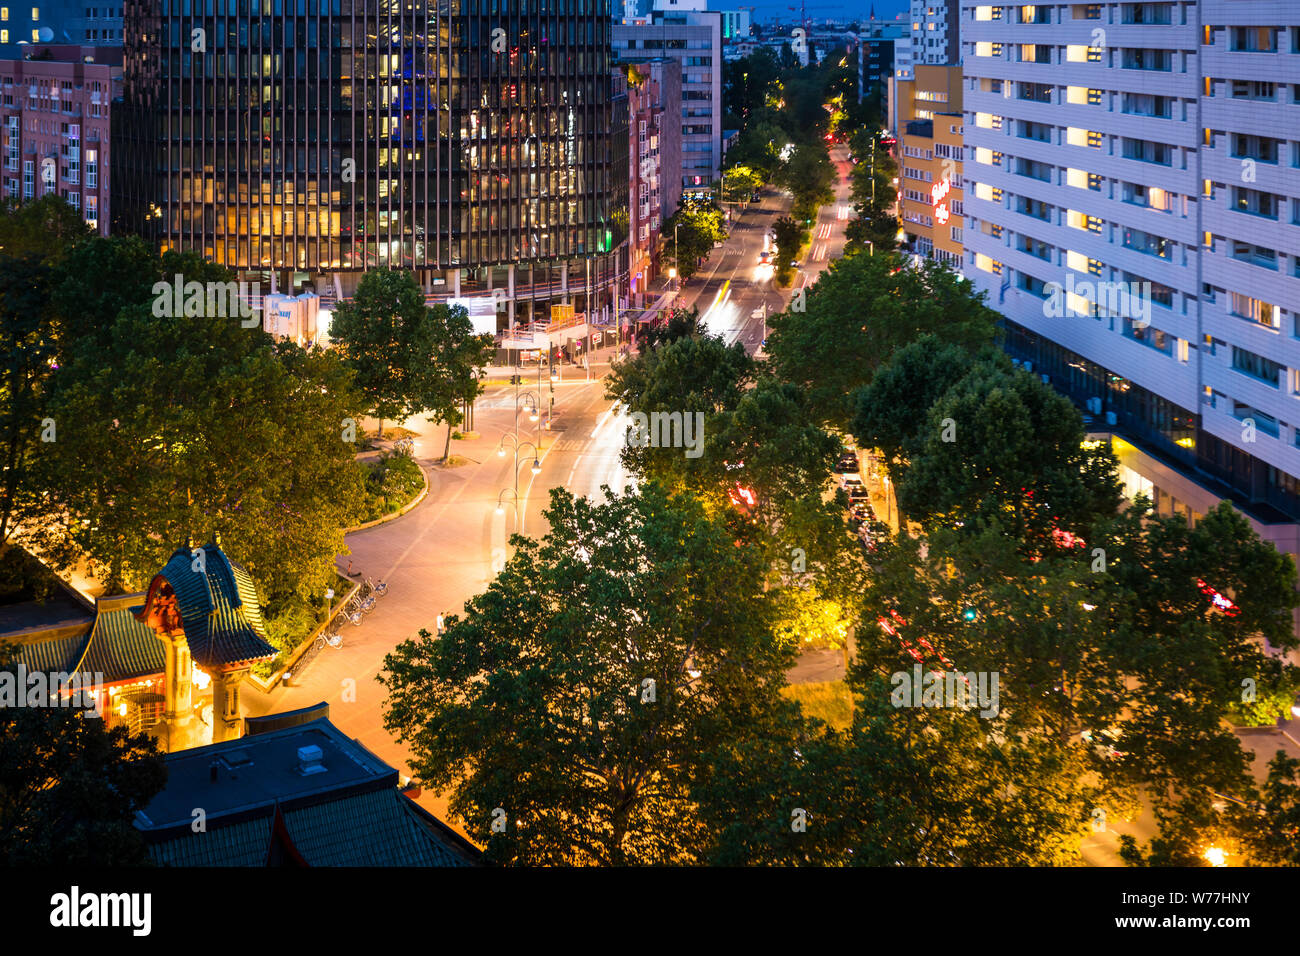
(443, 551)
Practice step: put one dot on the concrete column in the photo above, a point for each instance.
(455, 283)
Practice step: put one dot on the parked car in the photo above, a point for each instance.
(846, 465)
(857, 491)
(755, 197)
(850, 479)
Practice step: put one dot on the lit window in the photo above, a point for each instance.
(36, 13)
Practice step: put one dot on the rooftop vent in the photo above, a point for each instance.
(309, 760)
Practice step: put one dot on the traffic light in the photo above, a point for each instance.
(970, 614)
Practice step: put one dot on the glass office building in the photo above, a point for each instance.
(305, 141)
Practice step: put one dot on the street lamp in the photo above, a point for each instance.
(501, 508)
(516, 444)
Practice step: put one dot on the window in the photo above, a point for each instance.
(1036, 248)
(1094, 182)
(1094, 97)
(1032, 284)
(1136, 58)
(1253, 90)
(1262, 148)
(1243, 306)
(1150, 336)
(1149, 243)
(1256, 366)
(1255, 202)
(1033, 169)
(1263, 422)
(1039, 131)
(1147, 104)
(1158, 13)
(1253, 40)
(1255, 255)
(1035, 92)
(1034, 207)
(1148, 152)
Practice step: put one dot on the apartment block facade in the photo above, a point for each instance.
(694, 39)
(935, 32)
(654, 164)
(1133, 209)
(54, 129)
(931, 196)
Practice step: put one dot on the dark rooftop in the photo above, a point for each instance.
(304, 793)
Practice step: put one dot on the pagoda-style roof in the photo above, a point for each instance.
(212, 599)
(117, 645)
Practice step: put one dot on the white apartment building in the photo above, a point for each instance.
(694, 39)
(1152, 148)
(935, 33)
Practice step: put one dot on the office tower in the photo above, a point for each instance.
(306, 143)
(1133, 209)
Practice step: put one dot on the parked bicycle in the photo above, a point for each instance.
(377, 588)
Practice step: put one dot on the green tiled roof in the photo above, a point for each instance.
(122, 647)
(378, 828)
(219, 609)
(117, 646)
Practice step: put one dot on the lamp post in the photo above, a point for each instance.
(516, 445)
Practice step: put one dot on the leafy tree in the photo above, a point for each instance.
(46, 227)
(697, 227)
(180, 427)
(69, 789)
(790, 237)
(29, 353)
(746, 82)
(999, 445)
(858, 314)
(810, 177)
(892, 413)
(538, 702)
(678, 323)
(385, 335)
(448, 379)
(739, 183)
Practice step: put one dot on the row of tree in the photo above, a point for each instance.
(615, 697)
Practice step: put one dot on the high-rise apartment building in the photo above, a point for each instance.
(935, 32)
(305, 143)
(694, 39)
(1133, 209)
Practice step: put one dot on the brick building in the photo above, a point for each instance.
(54, 126)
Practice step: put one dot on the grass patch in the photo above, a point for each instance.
(391, 482)
(826, 700)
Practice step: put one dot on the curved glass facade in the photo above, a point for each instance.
(332, 136)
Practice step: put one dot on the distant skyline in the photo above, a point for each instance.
(818, 9)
